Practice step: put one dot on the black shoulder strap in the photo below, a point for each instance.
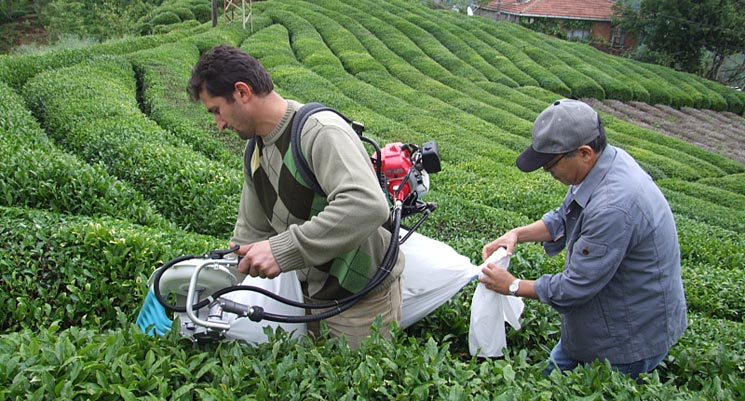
(301, 116)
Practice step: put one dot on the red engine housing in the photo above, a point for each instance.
(395, 164)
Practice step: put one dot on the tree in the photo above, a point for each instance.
(696, 36)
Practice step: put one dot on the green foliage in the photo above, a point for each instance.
(710, 192)
(35, 173)
(100, 19)
(165, 18)
(82, 363)
(157, 71)
(733, 183)
(117, 152)
(78, 271)
(10, 9)
(705, 211)
(683, 31)
(17, 70)
(174, 12)
(187, 188)
(705, 349)
(202, 12)
(549, 26)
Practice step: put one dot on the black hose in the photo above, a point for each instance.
(338, 306)
(257, 314)
(156, 285)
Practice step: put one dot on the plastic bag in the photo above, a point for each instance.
(286, 285)
(489, 311)
(434, 273)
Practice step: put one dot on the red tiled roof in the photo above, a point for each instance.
(574, 9)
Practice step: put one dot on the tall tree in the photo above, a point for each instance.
(696, 35)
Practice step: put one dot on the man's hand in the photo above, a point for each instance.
(496, 278)
(507, 241)
(533, 232)
(258, 260)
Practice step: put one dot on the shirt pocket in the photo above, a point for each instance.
(588, 255)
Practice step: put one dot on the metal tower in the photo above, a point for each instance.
(239, 8)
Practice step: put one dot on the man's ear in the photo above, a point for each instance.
(585, 152)
(242, 92)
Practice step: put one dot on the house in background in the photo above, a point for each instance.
(581, 20)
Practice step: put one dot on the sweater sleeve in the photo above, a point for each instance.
(356, 206)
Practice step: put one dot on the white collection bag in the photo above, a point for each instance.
(489, 311)
(434, 273)
(286, 285)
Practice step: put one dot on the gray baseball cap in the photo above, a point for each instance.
(562, 127)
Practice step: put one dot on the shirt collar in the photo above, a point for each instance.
(584, 190)
(284, 122)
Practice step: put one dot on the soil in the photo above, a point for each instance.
(719, 132)
(25, 30)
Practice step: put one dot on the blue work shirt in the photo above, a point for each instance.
(620, 293)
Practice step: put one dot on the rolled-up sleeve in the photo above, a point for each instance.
(555, 225)
(592, 260)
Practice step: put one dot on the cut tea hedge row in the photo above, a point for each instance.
(194, 192)
(707, 192)
(394, 40)
(386, 58)
(395, 102)
(34, 172)
(662, 85)
(346, 47)
(171, 108)
(80, 271)
(702, 210)
(733, 183)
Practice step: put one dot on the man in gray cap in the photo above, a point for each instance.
(620, 294)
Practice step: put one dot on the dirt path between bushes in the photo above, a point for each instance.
(719, 132)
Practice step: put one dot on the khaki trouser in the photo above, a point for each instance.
(354, 323)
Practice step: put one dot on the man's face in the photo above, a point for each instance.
(231, 115)
(563, 168)
(572, 168)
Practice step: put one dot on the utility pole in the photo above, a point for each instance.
(214, 13)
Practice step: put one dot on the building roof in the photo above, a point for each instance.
(594, 10)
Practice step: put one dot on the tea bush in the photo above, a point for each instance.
(172, 109)
(705, 211)
(709, 192)
(187, 188)
(80, 271)
(705, 244)
(74, 262)
(35, 173)
(85, 363)
(733, 182)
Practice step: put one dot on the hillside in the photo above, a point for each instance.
(717, 132)
(107, 170)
